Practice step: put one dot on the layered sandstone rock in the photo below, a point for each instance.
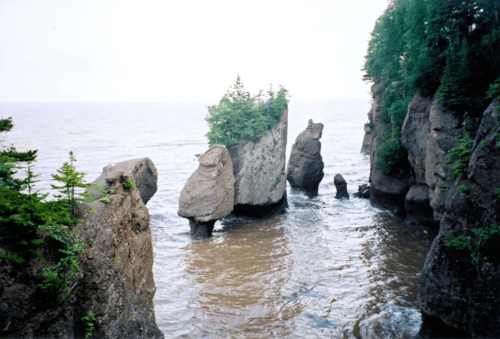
(259, 171)
(305, 166)
(209, 193)
(115, 280)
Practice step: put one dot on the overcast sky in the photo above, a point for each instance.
(68, 50)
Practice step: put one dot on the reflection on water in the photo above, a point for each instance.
(327, 268)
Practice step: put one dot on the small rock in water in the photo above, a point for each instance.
(363, 191)
(341, 186)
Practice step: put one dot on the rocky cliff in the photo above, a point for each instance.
(460, 282)
(368, 137)
(259, 171)
(387, 190)
(115, 280)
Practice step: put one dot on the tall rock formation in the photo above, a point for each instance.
(386, 190)
(259, 171)
(305, 166)
(461, 284)
(208, 195)
(115, 280)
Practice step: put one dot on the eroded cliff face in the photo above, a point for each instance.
(428, 134)
(460, 282)
(387, 190)
(461, 286)
(115, 280)
(259, 171)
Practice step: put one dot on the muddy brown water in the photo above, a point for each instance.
(327, 268)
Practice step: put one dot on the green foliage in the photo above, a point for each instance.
(497, 192)
(436, 47)
(10, 159)
(445, 191)
(474, 243)
(89, 324)
(96, 189)
(21, 213)
(58, 277)
(105, 200)
(276, 182)
(390, 153)
(482, 144)
(494, 90)
(239, 116)
(460, 155)
(6, 124)
(462, 188)
(25, 215)
(92, 210)
(71, 180)
(128, 183)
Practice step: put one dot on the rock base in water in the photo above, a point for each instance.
(310, 193)
(363, 191)
(341, 186)
(417, 206)
(201, 229)
(433, 328)
(265, 211)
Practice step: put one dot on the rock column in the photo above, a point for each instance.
(305, 167)
(208, 195)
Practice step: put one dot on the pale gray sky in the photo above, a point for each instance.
(131, 50)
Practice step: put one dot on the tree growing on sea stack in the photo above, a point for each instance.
(241, 116)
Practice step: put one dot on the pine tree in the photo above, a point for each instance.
(71, 180)
(239, 116)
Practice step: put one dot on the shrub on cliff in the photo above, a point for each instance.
(240, 116)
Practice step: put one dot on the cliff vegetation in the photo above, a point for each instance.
(444, 48)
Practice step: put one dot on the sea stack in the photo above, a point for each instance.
(208, 195)
(305, 167)
(259, 172)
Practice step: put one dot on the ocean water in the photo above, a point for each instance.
(327, 268)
